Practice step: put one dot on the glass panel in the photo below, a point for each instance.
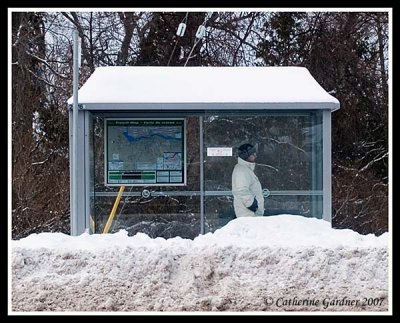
(159, 211)
(289, 161)
(289, 166)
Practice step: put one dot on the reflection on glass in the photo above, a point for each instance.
(166, 211)
(289, 165)
(289, 161)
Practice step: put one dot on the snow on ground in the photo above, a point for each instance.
(277, 263)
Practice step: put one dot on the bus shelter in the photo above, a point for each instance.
(157, 146)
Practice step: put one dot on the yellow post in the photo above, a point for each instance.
(114, 210)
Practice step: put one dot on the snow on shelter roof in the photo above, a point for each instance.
(151, 87)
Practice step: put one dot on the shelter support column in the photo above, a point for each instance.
(79, 220)
(201, 153)
(327, 166)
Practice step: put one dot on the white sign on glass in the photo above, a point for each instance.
(219, 151)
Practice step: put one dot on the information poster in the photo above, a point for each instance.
(145, 152)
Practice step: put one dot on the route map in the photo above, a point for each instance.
(145, 151)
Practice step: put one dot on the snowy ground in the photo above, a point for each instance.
(268, 264)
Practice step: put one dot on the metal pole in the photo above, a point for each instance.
(202, 222)
(74, 201)
(114, 210)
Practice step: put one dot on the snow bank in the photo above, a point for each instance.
(279, 263)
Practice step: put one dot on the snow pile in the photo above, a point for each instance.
(279, 263)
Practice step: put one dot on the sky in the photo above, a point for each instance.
(275, 264)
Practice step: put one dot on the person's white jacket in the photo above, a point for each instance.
(246, 187)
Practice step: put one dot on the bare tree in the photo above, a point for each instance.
(346, 52)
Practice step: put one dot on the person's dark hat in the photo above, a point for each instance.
(246, 150)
